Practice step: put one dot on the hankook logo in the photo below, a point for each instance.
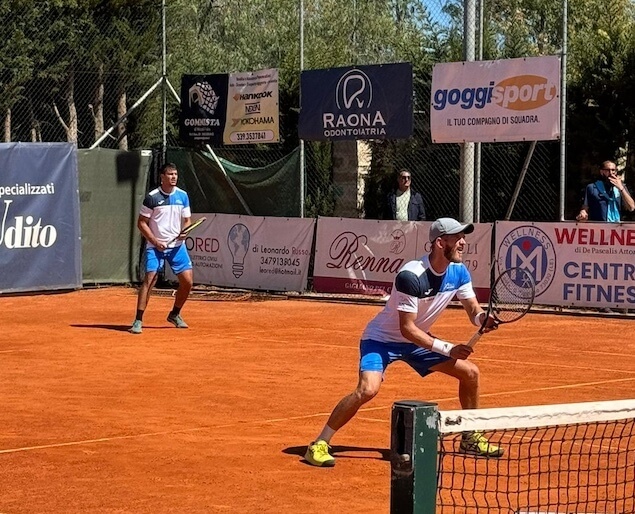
(354, 91)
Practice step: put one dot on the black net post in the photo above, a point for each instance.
(413, 461)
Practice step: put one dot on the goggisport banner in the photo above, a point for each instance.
(490, 101)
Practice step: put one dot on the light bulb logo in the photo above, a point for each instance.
(238, 242)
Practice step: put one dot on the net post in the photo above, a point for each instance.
(413, 457)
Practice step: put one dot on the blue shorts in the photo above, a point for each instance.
(376, 356)
(177, 257)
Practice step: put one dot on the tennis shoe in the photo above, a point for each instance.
(477, 444)
(177, 321)
(317, 454)
(136, 327)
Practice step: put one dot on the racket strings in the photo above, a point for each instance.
(512, 296)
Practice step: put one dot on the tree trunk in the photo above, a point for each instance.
(97, 107)
(121, 128)
(7, 126)
(72, 109)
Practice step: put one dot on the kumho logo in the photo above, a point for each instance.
(520, 93)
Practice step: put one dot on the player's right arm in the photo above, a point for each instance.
(144, 227)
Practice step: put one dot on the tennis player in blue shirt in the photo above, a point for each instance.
(401, 331)
(163, 216)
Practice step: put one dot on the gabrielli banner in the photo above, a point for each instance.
(40, 247)
(504, 100)
(252, 252)
(237, 108)
(363, 256)
(362, 102)
(577, 265)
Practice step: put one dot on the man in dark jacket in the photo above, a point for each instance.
(404, 203)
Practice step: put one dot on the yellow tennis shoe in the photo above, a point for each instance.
(477, 444)
(317, 454)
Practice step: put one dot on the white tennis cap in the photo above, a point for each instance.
(448, 227)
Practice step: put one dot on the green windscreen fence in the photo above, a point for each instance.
(270, 190)
(112, 185)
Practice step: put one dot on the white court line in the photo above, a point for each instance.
(281, 420)
(553, 365)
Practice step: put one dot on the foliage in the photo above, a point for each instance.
(59, 55)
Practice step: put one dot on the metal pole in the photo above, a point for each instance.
(164, 98)
(302, 157)
(521, 179)
(563, 109)
(477, 147)
(467, 148)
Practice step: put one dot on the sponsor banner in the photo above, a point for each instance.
(237, 108)
(363, 256)
(362, 102)
(40, 247)
(252, 108)
(574, 265)
(503, 100)
(203, 108)
(252, 252)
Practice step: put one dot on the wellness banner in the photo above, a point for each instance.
(489, 101)
(40, 247)
(362, 102)
(576, 265)
(252, 252)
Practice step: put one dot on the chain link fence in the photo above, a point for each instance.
(93, 71)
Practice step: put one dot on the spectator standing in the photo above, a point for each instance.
(605, 198)
(404, 203)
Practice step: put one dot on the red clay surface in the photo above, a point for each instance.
(215, 418)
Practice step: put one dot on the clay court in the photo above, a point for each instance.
(216, 418)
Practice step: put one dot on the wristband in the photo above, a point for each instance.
(475, 320)
(442, 347)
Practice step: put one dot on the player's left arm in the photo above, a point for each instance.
(414, 334)
(186, 217)
(477, 314)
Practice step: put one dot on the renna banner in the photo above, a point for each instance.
(40, 247)
(362, 102)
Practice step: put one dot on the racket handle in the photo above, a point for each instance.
(474, 339)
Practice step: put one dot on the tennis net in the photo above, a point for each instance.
(573, 458)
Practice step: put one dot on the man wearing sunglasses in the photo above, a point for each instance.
(605, 198)
(404, 203)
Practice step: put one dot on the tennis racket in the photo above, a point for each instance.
(189, 229)
(511, 297)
